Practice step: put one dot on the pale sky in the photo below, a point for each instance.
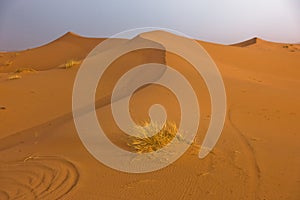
(31, 23)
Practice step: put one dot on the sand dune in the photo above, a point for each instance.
(68, 47)
(267, 45)
(257, 156)
(252, 41)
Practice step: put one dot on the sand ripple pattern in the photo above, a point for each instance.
(37, 178)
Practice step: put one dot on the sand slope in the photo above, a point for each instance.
(257, 156)
(68, 47)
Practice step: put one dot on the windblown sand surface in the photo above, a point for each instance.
(256, 157)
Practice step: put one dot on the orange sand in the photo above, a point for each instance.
(257, 156)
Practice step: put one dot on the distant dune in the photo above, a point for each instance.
(263, 44)
(71, 46)
(257, 156)
(53, 54)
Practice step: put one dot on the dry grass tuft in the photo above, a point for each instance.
(71, 63)
(26, 70)
(144, 144)
(13, 77)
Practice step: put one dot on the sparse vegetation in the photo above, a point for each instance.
(20, 70)
(285, 46)
(13, 77)
(71, 63)
(144, 144)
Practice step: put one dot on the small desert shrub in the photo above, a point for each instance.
(285, 46)
(20, 70)
(144, 144)
(71, 63)
(13, 77)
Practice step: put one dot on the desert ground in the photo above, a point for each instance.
(256, 157)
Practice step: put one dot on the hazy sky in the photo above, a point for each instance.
(30, 23)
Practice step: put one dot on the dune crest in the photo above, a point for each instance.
(249, 42)
(258, 43)
(52, 55)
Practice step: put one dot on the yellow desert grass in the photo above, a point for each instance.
(26, 70)
(13, 77)
(144, 144)
(70, 63)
